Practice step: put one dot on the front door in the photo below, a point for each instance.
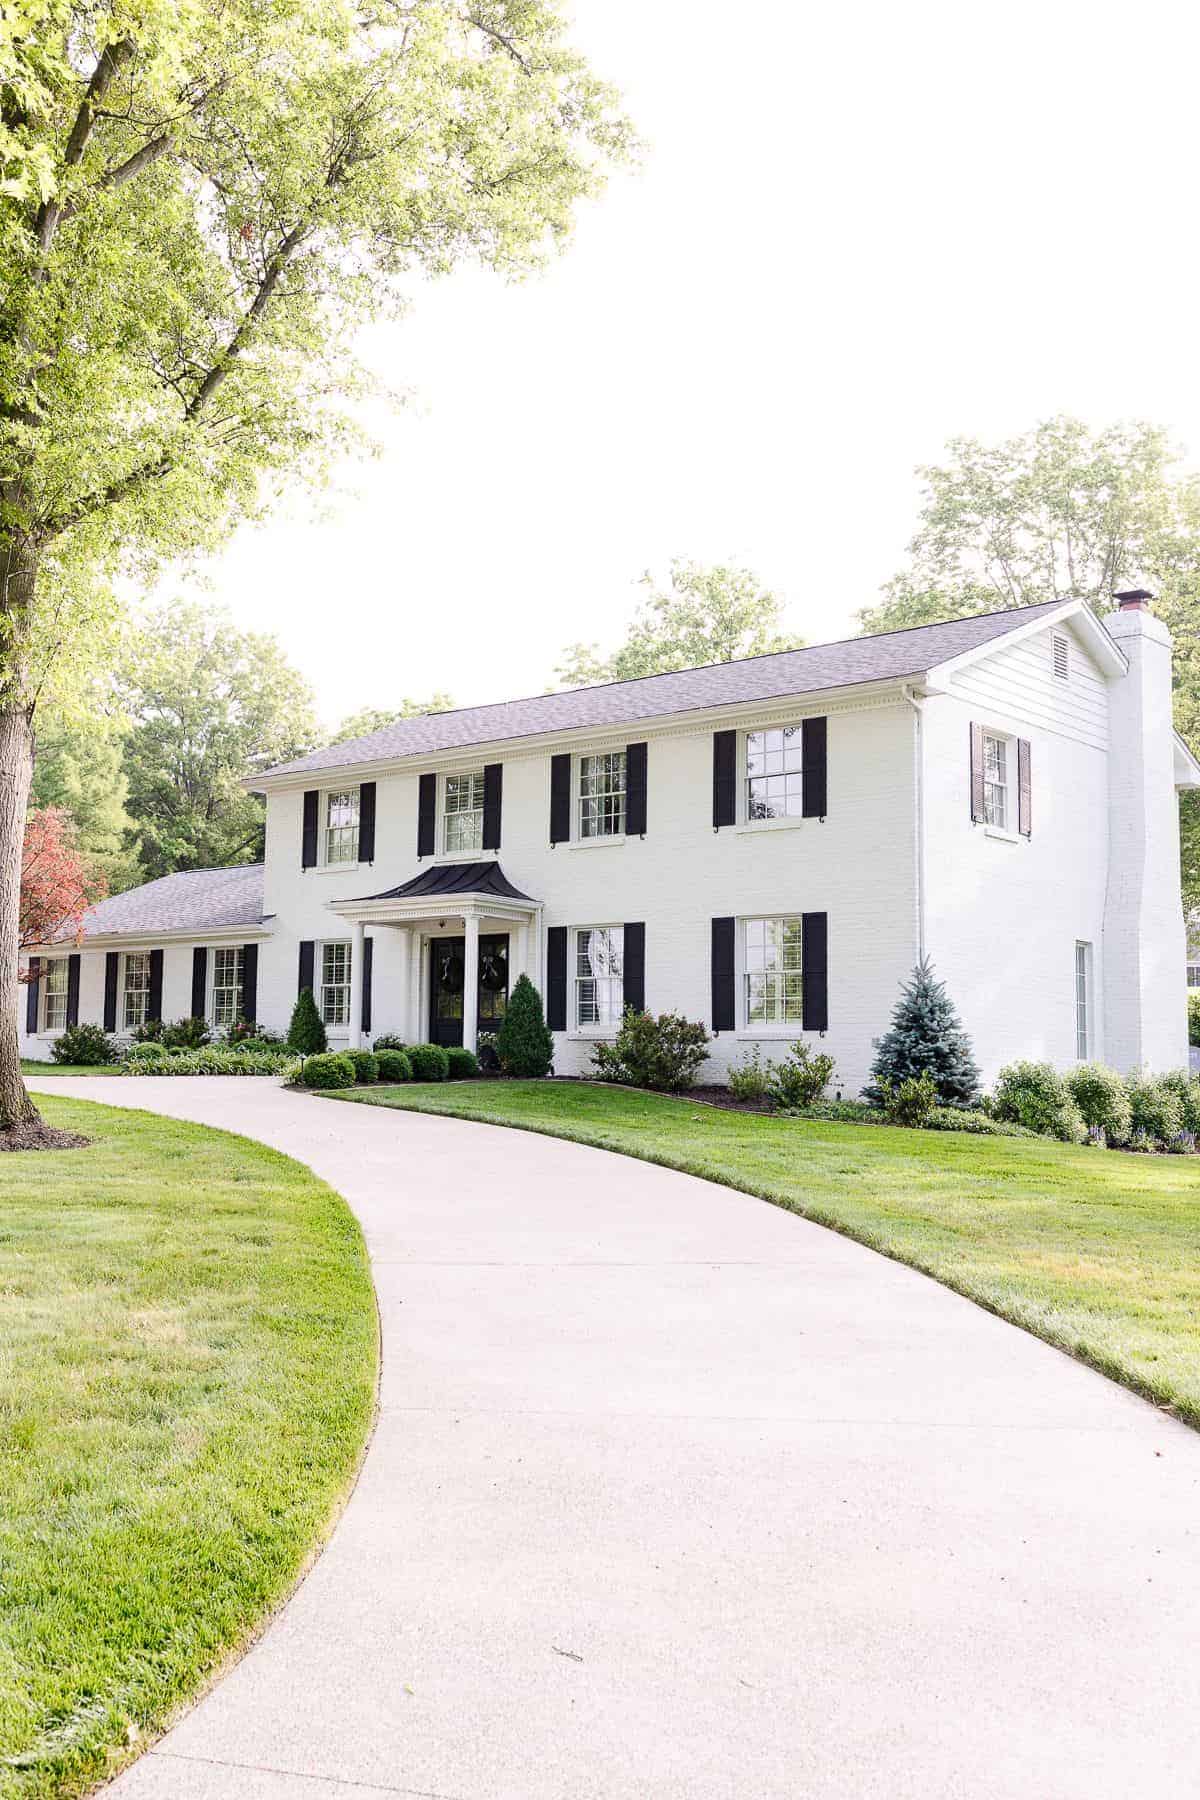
(447, 968)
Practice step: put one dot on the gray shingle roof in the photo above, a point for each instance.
(193, 900)
(889, 657)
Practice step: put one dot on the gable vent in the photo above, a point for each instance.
(1062, 658)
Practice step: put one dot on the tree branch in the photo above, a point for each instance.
(113, 58)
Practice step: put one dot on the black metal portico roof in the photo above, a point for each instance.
(442, 879)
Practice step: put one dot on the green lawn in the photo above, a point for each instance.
(1095, 1251)
(53, 1068)
(187, 1379)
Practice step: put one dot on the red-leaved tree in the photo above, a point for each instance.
(58, 884)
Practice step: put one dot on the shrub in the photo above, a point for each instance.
(393, 1065)
(148, 1032)
(663, 1053)
(1194, 1019)
(801, 1078)
(306, 1033)
(462, 1064)
(1186, 1089)
(1103, 1103)
(212, 1059)
(909, 1102)
(249, 1031)
(1157, 1114)
(523, 1043)
(748, 1079)
(972, 1120)
(185, 1034)
(145, 1052)
(328, 1071)
(925, 1036)
(1036, 1095)
(366, 1066)
(429, 1062)
(842, 1112)
(387, 1042)
(87, 1045)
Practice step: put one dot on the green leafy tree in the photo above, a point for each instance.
(925, 1037)
(208, 706)
(78, 768)
(200, 205)
(704, 615)
(1063, 512)
(369, 719)
(523, 1042)
(306, 1032)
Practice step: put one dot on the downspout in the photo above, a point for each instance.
(919, 804)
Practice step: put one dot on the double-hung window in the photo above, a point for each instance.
(774, 975)
(602, 795)
(774, 777)
(135, 992)
(599, 976)
(56, 994)
(335, 984)
(1083, 1001)
(341, 826)
(997, 758)
(1193, 974)
(228, 967)
(462, 813)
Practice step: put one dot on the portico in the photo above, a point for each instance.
(463, 933)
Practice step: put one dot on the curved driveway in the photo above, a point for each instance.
(674, 1496)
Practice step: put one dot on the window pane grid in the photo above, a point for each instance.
(599, 983)
(227, 985)
(463, 812)
(136, 989)
(1082, 1009)
(773, 974)
(602, 794)
(335, 984)
(774, 784)
(341, 826)
(56, 995)
(995, 782)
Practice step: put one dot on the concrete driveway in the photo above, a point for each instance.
(677, 1497)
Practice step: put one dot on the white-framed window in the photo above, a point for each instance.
(1193, 974)
(341, 826)
(599, 976)
(1062, 657)
(602, 794)
(1083, 1001)
(55, 1016)
(335, 983)
(773, 971)
(135, 989)
(228, 966)
(462, 813)
(774, 775)
(998, 756)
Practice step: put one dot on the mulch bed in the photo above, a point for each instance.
(36, 1136)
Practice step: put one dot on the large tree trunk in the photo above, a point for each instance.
(18, 572)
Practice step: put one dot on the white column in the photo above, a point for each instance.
(471, 980)
(357, 957)
(418, 1011)
(403, 1006)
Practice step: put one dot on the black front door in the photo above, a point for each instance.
(447, 967)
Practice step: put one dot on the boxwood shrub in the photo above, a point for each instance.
(462, 1064)
(386, 1041)
(429, 1062)
(366, 1066)
(328, 1070)
(393, 1065)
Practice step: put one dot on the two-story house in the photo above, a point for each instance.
(766, 845)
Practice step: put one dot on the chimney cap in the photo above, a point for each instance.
(1133, 599)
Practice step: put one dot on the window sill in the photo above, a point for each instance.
(336, 868)
(464, 856)
(593, 1037)
(771, 1034)
(597, 843)
(1001, 837)
(756, 825)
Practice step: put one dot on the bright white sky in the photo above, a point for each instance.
(857, 231)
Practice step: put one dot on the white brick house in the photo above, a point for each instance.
(766, 845)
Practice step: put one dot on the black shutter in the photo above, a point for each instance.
(560, 802)
(112, 966)
(154, 1000)
(724, 778)
(635, 790)
(72, 990)
(308, 839)
(977, 811)
(1024, 788)
(814, 970)
(366, 822)
(493, 789)
(724, 998)
(308, 957)
(31, 994)
(199, 981)
(250, 982)
(814, 738)
(556, 978)
(427, 816)
(368, 962)
(634, 966)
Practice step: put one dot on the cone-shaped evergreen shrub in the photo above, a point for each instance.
(306, 1034)
(523, 1044)
(926, 1037)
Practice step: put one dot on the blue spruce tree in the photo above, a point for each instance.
(926, 1034)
